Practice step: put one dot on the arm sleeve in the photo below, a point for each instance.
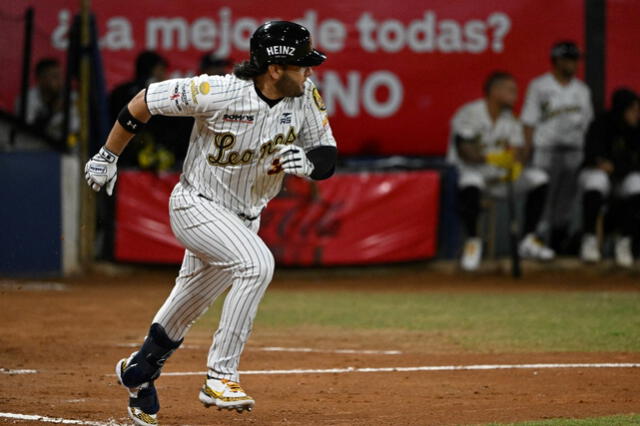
(531, 110)
(315, 130)
(324, 161)
(193, 96)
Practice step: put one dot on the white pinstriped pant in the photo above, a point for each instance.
(221, 251)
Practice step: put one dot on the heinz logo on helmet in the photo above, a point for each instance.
(280, 50)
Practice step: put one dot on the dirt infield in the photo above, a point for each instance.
(73, 335)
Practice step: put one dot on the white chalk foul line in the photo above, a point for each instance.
(17, 371)
(45, 419)
(330, 351)
(420, 368)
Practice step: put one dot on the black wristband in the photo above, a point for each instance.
(129, 122)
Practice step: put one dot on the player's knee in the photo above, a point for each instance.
(535, 177)
(631, 185)
(468, 179)
(265, 266)
(595, 180)
(259, 267)
(147, 362)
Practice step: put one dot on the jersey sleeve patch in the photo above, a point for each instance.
(317, 99)
(204, 87)
(198, 89)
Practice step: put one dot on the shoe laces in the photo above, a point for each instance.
(538, 242)
(233, 386)
(470, 248)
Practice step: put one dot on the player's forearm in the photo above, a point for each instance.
(119, 137)
(471, 152)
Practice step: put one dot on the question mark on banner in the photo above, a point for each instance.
(501, 25)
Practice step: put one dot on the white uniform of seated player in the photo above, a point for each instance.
(485, 144)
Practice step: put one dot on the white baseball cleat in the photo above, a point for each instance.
(589, 250)
(471, 254)
(225, 394)
(532, 248)
(624, 255)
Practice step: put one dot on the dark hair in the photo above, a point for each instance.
(246, 70)
(622, 99)
(44, 64)
(495, 78)
(565, 49)
(146, 62)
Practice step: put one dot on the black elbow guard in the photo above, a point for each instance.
(129, 122)
(324, 161)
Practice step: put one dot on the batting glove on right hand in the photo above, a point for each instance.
(101, 170)
(292, 160)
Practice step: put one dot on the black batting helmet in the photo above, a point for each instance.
(565, 49)
(285, 43)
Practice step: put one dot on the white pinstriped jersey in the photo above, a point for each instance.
(235, 134)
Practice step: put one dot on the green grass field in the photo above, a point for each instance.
(470, 322)
(473, 322)
(599, 421)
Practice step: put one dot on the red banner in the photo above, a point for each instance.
(143, 232)
(395, 73)
(348, 219)
(623, 37)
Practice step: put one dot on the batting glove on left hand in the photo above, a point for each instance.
(101, 170)
(292, 160)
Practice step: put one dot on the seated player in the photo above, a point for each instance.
(45, 105)
(486, 144)
(612, 159)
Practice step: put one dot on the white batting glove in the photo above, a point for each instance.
(101, 170)
(292, 160)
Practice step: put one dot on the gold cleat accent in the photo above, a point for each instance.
(141, 418)
(225, 395)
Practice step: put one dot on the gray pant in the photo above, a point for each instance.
(562, 164)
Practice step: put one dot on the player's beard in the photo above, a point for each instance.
(506, 107)
(288, 87)
(568, 74)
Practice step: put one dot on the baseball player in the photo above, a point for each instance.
(485, 145)
(612, 159)
(251, 127)
(556, 114)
